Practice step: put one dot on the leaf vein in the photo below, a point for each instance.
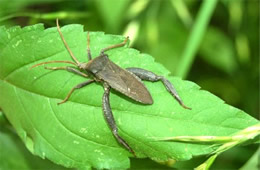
(74, 133)
(29, 118)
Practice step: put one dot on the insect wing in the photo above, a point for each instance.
(125, 82)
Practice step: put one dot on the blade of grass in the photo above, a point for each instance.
(195, 37)
(47, 16)
(183, 12)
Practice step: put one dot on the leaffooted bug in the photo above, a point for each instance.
(126, 81)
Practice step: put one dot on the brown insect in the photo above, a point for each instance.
(126, 81)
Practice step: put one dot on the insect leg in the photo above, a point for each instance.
(65, 43)
(76, 87)
(150, 76)
(88, 49)
(70, 69)
(110, 118)
(114, 46)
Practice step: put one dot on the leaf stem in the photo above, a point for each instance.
(239, 137)
(228, 142)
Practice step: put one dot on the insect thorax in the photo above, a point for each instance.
(97, 64)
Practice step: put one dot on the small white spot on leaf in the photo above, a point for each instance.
(43, 154)
(119, 121)
(8, 35)
(18, 42)
(76, 142)
(96, 150)
(83, 130)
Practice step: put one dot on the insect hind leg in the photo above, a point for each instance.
(110, 118)
(150, 76)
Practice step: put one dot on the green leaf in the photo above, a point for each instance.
(75, 134)
(148, 164)
(15, 156)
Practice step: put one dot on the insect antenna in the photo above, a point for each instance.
(88, 48)
(48, 62)
(65, 43)
(115, 46)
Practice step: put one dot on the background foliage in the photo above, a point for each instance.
(226, 63)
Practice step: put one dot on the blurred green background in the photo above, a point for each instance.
(212, 43)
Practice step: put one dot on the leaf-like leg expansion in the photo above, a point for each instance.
(110, 118)
(76, 87)
(150, 76)
(114, 46)
(67, 68)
